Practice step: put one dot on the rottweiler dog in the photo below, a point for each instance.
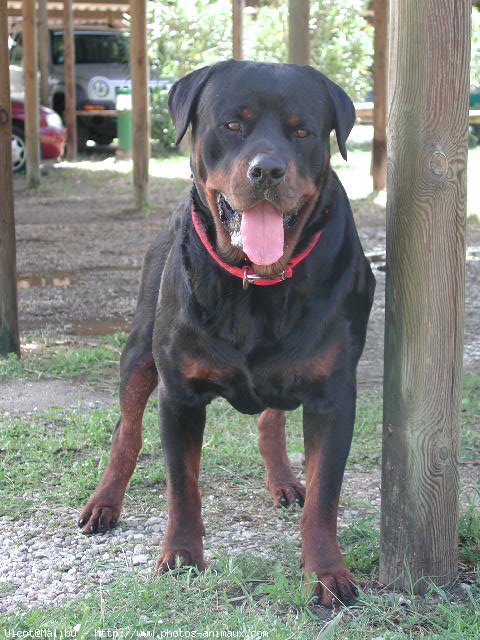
(259, 292)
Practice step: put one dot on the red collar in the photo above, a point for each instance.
(246, 273)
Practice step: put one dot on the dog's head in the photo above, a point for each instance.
(260, 151)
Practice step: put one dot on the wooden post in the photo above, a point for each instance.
(69, 79)
(298, 33)
(379, 149)
(429, 53)
(43, 50)
(30, 69)
(9, 338)
(237, 29)
(140, 111)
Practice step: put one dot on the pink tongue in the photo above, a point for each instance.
(262, 233)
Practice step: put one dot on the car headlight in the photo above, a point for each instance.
(54, 120)
(98, 88)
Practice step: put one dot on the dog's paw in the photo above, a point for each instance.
(172, 558)
(286, 493)
(98, 516)
(332, 588)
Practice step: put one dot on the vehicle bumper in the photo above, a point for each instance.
(52, 142)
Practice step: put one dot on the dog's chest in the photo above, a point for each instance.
(275, 380)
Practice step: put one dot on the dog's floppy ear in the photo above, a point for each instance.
(344, 111)
(183, 97)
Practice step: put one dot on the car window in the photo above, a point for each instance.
(93, 48)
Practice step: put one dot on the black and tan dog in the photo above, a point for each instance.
(259, 292)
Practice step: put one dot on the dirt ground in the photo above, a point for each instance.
(80, 246)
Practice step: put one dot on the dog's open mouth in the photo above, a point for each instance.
(258, 230)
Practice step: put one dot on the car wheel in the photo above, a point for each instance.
(18, 149)
(103, 140)
(83, 136)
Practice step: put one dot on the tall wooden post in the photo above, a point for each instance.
(298, 33)
(9, 339)
(30, 69)
(237, 29)
(140, 112)
(379, 149)
(43, 50)
(429, 57)
(69, 75)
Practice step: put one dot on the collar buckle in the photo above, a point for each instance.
(254, 277)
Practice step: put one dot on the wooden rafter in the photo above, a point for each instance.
(111, 12)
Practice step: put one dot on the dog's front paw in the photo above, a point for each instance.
(332, 587)
(286, 492)
(99, 515)
(172, 558)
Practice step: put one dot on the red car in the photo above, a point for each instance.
(52, 134)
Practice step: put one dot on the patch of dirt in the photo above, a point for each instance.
(28, 397)
(80, 247)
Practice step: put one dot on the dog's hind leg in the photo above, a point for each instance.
(281, 482)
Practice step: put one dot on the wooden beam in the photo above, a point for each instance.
(140, 111)
(78, 15)
(298, 32)
(30, 71)
(81, 4)
(379, 148)
(429, 53)
(9, 338)
(69, 80)
(237, 29)
(43, 50)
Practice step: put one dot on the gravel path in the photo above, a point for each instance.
(46, 560)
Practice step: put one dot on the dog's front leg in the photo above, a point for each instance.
(327, 437)
(181, 431)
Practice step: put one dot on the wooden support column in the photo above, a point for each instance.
(237, 29)
(69, 75)
(43, 50)
(9, 339)
(140, 111)
(379, 148)
(30, 70)
(298, 33)
(429, 53)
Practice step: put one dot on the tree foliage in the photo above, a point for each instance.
(187, 34)
(475, 57)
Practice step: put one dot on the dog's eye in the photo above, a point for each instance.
(302, 133)
(234, 125)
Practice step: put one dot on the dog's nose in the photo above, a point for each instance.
(265, 170)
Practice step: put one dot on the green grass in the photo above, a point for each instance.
(252, 594)
(51, 461)
(89, 364)
(470, 532)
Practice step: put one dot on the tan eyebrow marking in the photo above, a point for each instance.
(246, 112)
(293, 120)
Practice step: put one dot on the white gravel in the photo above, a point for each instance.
(42, 564)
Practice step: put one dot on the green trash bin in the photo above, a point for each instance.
(123, 105)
